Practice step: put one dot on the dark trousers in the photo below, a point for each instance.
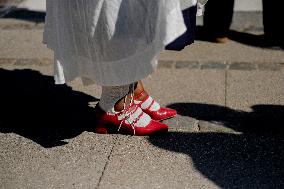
(188, 37)
(218, 17)
(273, 15)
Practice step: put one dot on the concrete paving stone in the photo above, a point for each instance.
(23, 44)
(46, 61)
(269, 67)
(213, 65)
(7, 61)
(14, 24)
(216, 127)
(34, 61)
(232, 51)
(175, 86)
(77, 164)
(192, 92)
(166, 64)
(42, 70)
(21, 26)
(26, 62)
(282, 67)
(242, 66)
(76, 85)
(52, 147)
(187, 64)
(182, 124)
(247, 90)
(196, 160)
(136, 163)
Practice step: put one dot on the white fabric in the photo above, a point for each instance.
(189, 3)
(200, 7)
(110, 42)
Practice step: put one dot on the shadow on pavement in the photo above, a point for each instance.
(244, 38)
(263, 119)
(255, 40)
(24, 14)
(253, 159)
(231, 161)
(33, 107)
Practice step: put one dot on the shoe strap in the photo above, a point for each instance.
(139, 95)
(134, 121)
(151, 104)
(129, 110)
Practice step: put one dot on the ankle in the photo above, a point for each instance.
(118, 107)
(123, 103)
(140, 95)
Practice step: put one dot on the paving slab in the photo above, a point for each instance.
(215, 127)
(186, 90)
(136, 163)
(196, 160)
(232, 51)
(187, 86)
(254, 101)
(248, 88)
(46, 138)
(23, 44)
(15, 24)
(77, 164)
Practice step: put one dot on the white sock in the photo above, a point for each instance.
(143, 121)
(154, 107)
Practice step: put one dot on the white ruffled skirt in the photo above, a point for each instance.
(109, 42)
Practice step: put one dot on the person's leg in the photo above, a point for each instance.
(113, 97)
(150, 106)
(117, 111)
(217, 18)
(140, 93)
(273, 30)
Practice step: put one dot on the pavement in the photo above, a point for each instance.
(228, 133)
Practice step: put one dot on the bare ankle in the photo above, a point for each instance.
(122, 103)
(139, 92)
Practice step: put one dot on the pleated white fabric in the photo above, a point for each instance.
(109, 42)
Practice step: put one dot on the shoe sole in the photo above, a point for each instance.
(111, 129)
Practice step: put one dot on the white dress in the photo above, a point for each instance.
(109, 42)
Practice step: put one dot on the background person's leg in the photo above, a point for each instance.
(218, 18)
(272, 18)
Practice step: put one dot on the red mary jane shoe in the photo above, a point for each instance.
(153, 109)
(130, 121)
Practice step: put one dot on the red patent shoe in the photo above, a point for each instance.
(153, 109)
(129, 121)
